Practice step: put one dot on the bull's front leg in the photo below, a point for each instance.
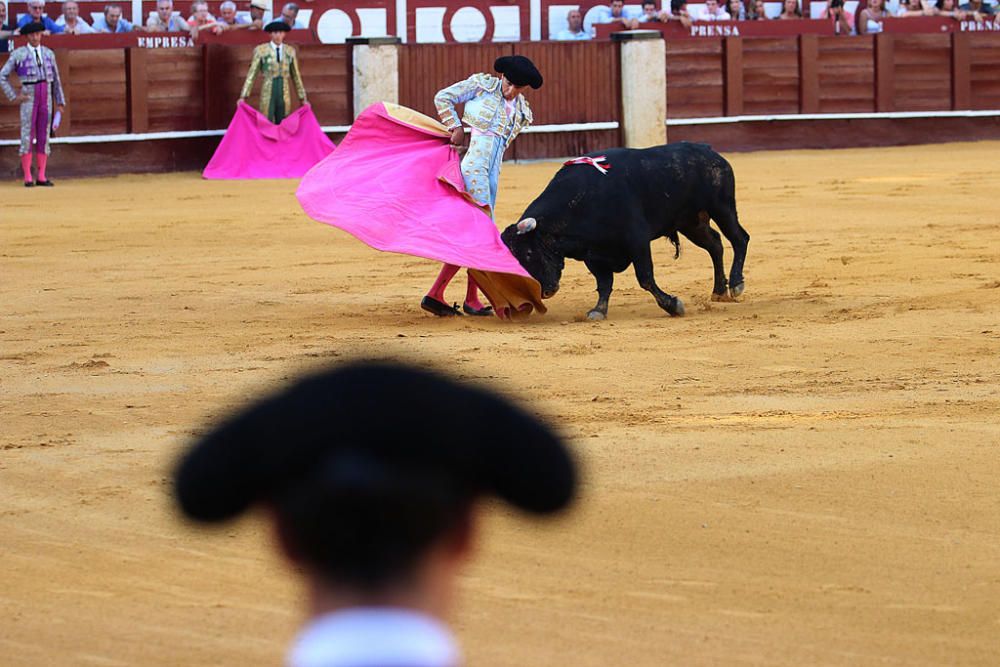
(605, 281)
(642, 260)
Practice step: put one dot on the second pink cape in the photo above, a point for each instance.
(254, 147)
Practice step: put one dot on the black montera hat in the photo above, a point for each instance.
(29, 28)
(368, 464)
(519, 70)
(277, 26)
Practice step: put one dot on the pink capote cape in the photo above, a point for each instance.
(396, 184)
(254, 147)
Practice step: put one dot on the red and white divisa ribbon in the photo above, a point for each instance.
(593, 162)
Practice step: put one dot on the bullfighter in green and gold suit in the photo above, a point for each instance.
(277, 63)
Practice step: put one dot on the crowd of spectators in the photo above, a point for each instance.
(870, 19)
(164, 19)
(578, 26)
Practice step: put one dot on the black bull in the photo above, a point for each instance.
(607, 221)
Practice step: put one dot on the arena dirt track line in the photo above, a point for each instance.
(806, 477)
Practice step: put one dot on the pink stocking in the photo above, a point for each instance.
(436, 291)
(26, 167)
(42, 160)
(472, 294)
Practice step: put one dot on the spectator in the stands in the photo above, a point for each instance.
(756, 11)
(7, 31)
(737, 10)
(70, 20)
(911, 8)
(679, 12)
(574, 28)
(165, 20)
(259, 16)
(200, 19)
(290, 15)
(112, 20)
(950, 8)
(651, 13)
(229, 19)
(871, 18)
(790, 10)
(977, 9)
(843, 20)
(712, 12)
(36, 11)
(615, 13)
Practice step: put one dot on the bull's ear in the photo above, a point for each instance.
(526, 225)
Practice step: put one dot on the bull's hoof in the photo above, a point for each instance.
(676, 309)
(722, 297)
(596, 316)
(736, 290)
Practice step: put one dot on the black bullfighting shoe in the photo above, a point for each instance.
(435, 307)
(479, 312)
(46, 183)
(29, 184)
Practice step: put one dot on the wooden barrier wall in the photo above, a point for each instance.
(581, 85)
(735, 76)
(137, 90)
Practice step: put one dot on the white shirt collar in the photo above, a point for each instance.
(386, 637)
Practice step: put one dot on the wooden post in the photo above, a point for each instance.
(808, 73)
(376, 70)
(961, 69)
(217, 65)
(64, 62)
(642, 56)
(885, 73)
(733, 75)
(207, 77)
(136, 90)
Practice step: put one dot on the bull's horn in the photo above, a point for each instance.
(526, 225)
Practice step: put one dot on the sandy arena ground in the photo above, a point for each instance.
(806, 477)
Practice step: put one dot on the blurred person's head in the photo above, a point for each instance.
(227, 10)
(3, 13)
(649, 9)
(712, 6)
(164, 10)
(946, 5)
(112, 14)
(277, 30)
(371, 501)
(36, 8)
(70, 11)
(734, 7)
(678, 7)
(574, 18)
(199, 10)
(791, 7)
(617, 7)
(289, 13)
(835, 7)
(758, 9)
(257, 10)
(33, 31)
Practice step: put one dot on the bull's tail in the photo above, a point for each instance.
(676, 240)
